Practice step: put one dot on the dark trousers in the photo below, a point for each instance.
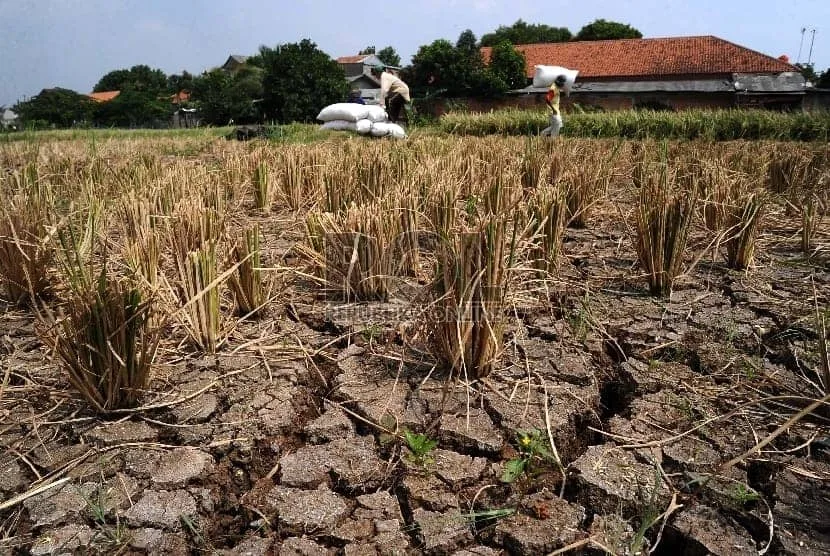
(394, 107)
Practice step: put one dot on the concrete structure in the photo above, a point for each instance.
(358, 70)
(666, 73)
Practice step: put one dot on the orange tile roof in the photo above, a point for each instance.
(352, 59)
(180, 97)
(104, 96)
(650, 57)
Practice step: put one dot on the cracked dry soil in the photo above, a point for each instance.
(288, 451)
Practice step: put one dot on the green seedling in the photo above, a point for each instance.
(743, 495)
(420, 447)
(533, 450)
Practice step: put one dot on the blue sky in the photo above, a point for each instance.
(72, 43)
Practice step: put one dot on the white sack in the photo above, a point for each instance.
(396, 131)
(382, 129)
(363, 127)
(346, 111)
(376, 113)
(339, 125)
(546, 75)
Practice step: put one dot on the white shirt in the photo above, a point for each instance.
(391, 84)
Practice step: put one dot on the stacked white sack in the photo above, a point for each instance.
(363, 127)
(376, 114)
(344, 111)
(339, 125)
(546, 75)
(383, 129)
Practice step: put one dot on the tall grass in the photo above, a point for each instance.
(743, 222)
(353, 251)
(25, 247)
(106, 342)
(664, 216)
(247, 283)
(713, 125)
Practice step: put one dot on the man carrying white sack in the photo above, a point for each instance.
(552, 100)
(394, 93)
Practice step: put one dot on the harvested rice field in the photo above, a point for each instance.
(448, 345)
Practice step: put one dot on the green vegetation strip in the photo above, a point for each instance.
(715, 125)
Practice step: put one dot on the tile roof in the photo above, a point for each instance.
(671, 56)
(352, 59)
(181, 96)
(104, 96)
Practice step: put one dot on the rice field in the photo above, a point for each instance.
(706, 125)
(464, 327)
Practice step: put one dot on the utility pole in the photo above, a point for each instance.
(812, 41)
(801, 45)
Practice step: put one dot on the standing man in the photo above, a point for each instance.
(552, 100)
(394, 93)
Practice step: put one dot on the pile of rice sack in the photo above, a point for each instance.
(361, 118)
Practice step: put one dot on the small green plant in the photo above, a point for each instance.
(420, 448)
(533, 451)
(372, 333)
(743, 495)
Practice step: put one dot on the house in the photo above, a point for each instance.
(8, 118)
(669, 73)
(181, 97)
(358, 70)
(234, 63)
(104, 96)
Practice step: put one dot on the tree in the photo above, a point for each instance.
(509, 65)
(221, 97)
(140, 78)
(389, 57)
(180, 82)
(467, 44)
(132, 108)
(525, 33)
(58, 107)
(441, 68)
(299, 79)
(367, 50)
(437, 66)
(823, 80)
(600, 30)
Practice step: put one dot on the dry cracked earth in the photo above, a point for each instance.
(288, 441)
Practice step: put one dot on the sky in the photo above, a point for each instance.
(72, 43)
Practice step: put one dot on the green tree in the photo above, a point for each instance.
(389, 57)
(441, 68)
(509, 65)
(132, 108)
(299, 79)
(221, 97)
(823, 80)
(600, 30)
(57, 107)
(526, 33)
(180, 82)
(436, 67)
(139, 78)
(467, 44)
